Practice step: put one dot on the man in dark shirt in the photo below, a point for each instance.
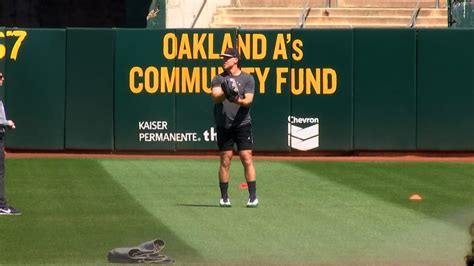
(234, 124)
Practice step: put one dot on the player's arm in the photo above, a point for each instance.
(249, 91)
(246, 101)
(217, 94)
(10, 124)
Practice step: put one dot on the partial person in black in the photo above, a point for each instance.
(233, 94)
(4, 123)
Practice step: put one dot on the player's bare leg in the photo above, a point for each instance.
(224, 177)
(250, 176)
(247, 162)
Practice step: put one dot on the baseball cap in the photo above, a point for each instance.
(230, 52)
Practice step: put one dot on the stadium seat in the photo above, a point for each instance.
(282, 14)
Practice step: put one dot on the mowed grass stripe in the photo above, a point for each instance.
(438, 235)
(73, 213)
(445, 187)
(308, 214)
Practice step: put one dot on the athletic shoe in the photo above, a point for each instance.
(9, 211)
(252, 204)
(225, 203)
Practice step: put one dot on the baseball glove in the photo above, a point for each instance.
(229, 89)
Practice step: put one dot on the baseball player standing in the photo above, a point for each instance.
(4, 208)
(232, 94)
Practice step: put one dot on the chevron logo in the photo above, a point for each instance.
(305, 135)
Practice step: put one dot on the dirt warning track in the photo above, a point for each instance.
(467, 157)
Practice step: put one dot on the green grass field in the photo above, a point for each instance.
(327, 213)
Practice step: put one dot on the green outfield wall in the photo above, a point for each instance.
(36, 88)
(89, 113)
(3, 54)
(316, 90)
(385, 89)
(323, 91)
(139, 103)
(445, 90)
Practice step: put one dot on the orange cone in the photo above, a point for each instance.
(415, 197)
(243, 185)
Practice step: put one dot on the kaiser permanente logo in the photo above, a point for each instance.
(157, 131)
(303, 133)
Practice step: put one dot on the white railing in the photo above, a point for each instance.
(303, 15)
(331, 3)
(198, 14)
(414, 15)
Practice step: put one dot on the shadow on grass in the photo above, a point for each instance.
(74, 212)
(198, 205)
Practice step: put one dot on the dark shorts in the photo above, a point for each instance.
(242, 136)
